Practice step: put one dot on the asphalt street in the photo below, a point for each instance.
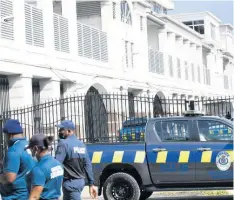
(156, 197)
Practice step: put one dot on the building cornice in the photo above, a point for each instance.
(154, 18)
(181, 25)
(143, 3)
(201, 13)
(229, 25)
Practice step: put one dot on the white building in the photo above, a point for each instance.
(57, 48)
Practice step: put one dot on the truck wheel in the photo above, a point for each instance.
(145, 195)
(121, 186)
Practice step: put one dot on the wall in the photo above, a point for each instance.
(47, 64)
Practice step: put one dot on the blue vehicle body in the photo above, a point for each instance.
(133, 129)
(165, 162)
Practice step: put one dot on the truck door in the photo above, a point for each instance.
(214, 158)
(170, 154)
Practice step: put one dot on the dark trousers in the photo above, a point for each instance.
(72, 189)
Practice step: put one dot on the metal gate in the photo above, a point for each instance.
(4, 106)
(36, 102)
(96, 117)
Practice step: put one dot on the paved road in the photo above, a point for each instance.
(155, 197)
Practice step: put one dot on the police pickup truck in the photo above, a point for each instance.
(192, 152)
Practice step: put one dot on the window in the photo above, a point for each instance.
(178, 68)
(186, 70)
(132, 54)
(170, 65)
(210, 130)
(192, 71)
(126, 53)
(173, 130)
(114, 10)
(198, 74)
(197, 25)
(141, 23)
(213, 32)
(126, 15)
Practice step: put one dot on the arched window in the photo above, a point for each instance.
(126, 15)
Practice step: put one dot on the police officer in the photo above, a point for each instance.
(17, 163)
(73, 154)
(47, 176)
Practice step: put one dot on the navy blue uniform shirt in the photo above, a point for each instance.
(48, 173)
(72, 153)
(20, 162)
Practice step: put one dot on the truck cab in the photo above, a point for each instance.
(178, 153)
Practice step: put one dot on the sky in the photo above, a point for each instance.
(223, 9)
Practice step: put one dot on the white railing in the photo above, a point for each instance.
(34, 30)
(61, 34)
(92, 43)
(156, 64)
(6, 27)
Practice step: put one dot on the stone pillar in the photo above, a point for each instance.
(69, 12)
(50, 89)
(47, 7)
(20, 91)
(19, 23)
(20, 94)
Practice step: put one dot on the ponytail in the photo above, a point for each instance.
(48, 141)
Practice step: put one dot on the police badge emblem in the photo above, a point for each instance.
(223, 161)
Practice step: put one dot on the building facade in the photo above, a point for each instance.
(51, 49)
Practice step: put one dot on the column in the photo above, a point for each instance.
(69, 12)
(19, 23)
(20, 92)
(50, 89)
(48, 24)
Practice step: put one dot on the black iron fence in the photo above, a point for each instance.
(99, 118)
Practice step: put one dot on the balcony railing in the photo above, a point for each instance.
(92, 43)
(34, 30)
(156, 64)
(7, 27)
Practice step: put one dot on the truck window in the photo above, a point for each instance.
(210, 130)
(173, 130)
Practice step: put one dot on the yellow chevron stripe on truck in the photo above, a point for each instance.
(160, 157)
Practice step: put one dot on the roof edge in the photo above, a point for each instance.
(182, 26)
(205, 12)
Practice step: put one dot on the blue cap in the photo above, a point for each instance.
(12, 126)
(66, 124)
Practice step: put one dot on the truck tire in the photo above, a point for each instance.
(121, 186)
(145, 195)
